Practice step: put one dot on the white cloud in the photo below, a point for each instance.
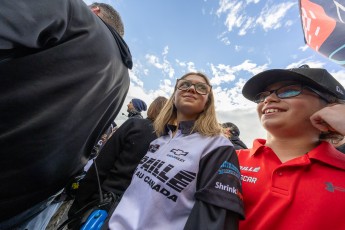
(272, 15)
(190, 66)
(307, 61)
(238, 48)
(288, 23)
(226, 41)
(153, 60)
(233, 9)
(135, 79)
(221, 74)
(163, 65)
(237, 16)
(247, 121)
(251, 67)
(225, 74)
(252, 1)
(247, 25)
(340, 76)
(303, 48)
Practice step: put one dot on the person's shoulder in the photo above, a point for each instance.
(238, 144)
(218, 140)
(136, 122)
(243, 151)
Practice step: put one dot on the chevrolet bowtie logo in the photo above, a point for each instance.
(179, 152)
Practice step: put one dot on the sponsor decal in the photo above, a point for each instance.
(249, 168)
(339, 90)
(177, 153)
(330, 187)
(228, 188)
(249, 179)
(229, 168)
(153, 148)
(150, 170)
(175, 157)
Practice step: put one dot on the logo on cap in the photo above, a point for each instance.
(339, 90)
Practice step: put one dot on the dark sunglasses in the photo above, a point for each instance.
(200, 88)
(289, 91)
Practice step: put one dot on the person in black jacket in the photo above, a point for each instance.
(118, 158)
(64, 78)
(135, 107)
(232, 132)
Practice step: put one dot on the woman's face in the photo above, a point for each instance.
(189, 103)
(289, 116)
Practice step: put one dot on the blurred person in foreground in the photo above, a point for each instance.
(64, 77)
(295, 178)
(119, 158)
(232, 132)
(189, 178)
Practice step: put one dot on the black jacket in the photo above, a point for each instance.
(116, 161)
(62, 83)
(134, 114)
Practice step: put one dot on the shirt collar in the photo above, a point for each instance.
(328, 154)
(324, 152)
(185, 127)
(257, 145)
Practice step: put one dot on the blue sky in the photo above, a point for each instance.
(229, 40)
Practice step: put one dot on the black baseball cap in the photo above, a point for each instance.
(233, 128)
(317, 78)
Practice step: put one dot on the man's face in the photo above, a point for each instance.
(130, 107)
(227, 132)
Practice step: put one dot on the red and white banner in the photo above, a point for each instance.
(323, 24)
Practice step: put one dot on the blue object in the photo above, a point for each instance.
(95, 220)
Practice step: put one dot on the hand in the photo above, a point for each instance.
(330, 118)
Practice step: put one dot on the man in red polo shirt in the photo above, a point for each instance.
(294, 179)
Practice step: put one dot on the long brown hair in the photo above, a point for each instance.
(155, 107)
(206, 123)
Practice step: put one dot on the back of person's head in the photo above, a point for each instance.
(206, 122)
(139, 105)
(108, 14)
(155, 107)
(233, 128)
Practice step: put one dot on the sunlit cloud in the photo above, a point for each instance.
(163, 65)
(233, 10)
(306, 61)
(271, 16)
(236, 15)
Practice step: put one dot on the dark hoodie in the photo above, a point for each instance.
(63, 81)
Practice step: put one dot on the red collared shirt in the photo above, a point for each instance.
(306, 193)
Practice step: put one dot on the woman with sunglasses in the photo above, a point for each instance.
(189, 178)
(294, 179)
